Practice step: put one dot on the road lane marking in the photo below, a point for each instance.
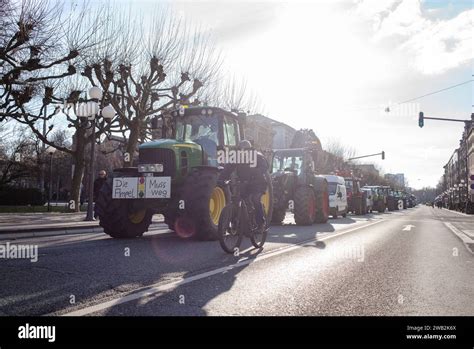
(464, 238)
(408, 227)
(163, 287)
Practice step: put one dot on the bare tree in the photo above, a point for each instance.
(40, 46)
(36, 45)
(18, 158)
(231, 93)
(145, 73)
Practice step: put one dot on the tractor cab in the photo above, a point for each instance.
(207, 128)
(299, 161)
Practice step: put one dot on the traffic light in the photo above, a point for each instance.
(421, 120)
(383, 155)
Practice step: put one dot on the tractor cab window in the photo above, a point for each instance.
(288, 163)
(230, 132)
(203, 130)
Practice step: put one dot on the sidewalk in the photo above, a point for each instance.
(42, 224)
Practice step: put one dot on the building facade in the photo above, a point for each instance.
(457, 192)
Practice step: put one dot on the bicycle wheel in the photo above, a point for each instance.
(229, 234)
(258, 238)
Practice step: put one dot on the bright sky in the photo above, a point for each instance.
(334, 65)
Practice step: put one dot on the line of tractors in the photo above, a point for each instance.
(177, 175)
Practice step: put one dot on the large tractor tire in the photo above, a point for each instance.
(119, 218)
(170, 219)
(278, 216)
(305, 206)
(267, 200)
(204, 200)
(359, 207)
(391, 203)
(379, 206)
(322, 200)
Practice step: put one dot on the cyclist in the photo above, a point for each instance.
(254, 181)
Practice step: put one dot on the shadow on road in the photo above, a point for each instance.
(103, 268)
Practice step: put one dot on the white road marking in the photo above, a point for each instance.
(158, 288)
(408, 227)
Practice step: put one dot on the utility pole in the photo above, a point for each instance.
(42, 155)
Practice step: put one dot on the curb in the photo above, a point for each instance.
(60, 231)
(469, 243)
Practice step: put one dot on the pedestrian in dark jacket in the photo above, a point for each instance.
(99, 182)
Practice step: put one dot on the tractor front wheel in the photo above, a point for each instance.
(118, 217)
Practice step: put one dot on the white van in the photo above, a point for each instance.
(337, 195)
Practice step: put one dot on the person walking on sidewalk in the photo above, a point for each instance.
(98, 183)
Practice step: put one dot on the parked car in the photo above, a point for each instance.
(337, 195)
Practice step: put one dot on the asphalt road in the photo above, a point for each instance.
(409, 262)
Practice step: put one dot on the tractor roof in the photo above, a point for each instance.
(202, 110)
(291, 151)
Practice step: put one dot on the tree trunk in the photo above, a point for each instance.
(132, 143)
(79, 166)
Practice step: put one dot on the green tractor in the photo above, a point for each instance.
(177, 176)
(379, 197)
(296, 185)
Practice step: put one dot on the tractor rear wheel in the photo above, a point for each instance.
(267, 200)
(322, 200)
(305, 206)
(204, 201)
(278, 216)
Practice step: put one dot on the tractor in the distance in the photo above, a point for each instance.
(356, 197)
(296, 185)
(177, 176)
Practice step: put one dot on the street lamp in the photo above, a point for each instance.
(50, 151)
(92, 111)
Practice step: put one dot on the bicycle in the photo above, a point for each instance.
(238, 219)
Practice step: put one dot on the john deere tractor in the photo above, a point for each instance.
(295, 182)
(177, 176)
